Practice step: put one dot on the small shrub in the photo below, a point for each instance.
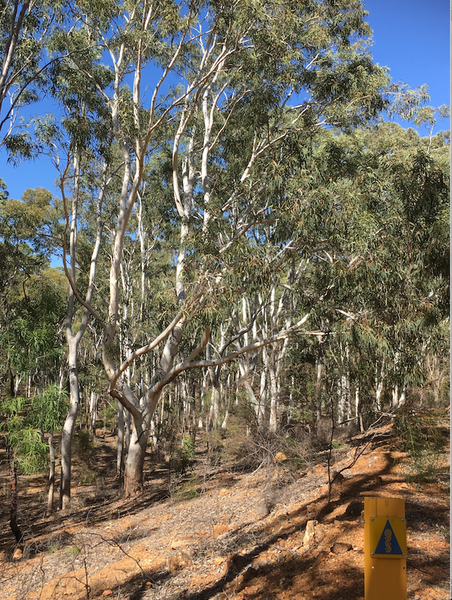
(72, 551)
(187, 492)
(83, 443)
(338, 445)
(418, 434)
(423, 468)
(182, 457)
(297, 463)
(108, 417)
(188, 447)
(88, 478)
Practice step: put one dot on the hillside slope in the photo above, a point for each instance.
(269, 534)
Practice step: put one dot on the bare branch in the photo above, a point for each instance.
(86, 305)
(175, 371)
(201, 346)
(145, 349)
(126, 402)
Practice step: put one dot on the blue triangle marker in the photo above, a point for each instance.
(388, 543)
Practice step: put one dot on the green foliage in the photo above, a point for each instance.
(88, 477)
(182, 457)
(338, 445)
(26, 442)
(26, 237)
(31, 294)
(187, 491)
(84, 445)
(108, 415)
(24, 34)
(26, 420)
(30, 220)
(71, 552)
(406, 103)
(49, 408)
(188, 447)
(420, 435)
(298, 200)
(30, 340)
(381, 201)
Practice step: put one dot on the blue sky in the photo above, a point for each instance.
(411, 37)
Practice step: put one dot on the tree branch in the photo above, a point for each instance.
(66, 270)
(175, 371)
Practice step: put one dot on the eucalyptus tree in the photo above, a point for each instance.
(230, 123)
(25, 27)
(238, 68)
(80, 146)
(362, 215)
(30, 323)
(30, 290)
(387, 258)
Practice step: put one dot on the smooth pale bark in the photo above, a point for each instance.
(141, 416)
(133, 479)
(379, 393)
(395, 397)
(143, 412)
(51, 492)
(224, 424)
(141, 237)
(202, 93)
(94, 397)
(73, 339)
(214, 414)
(23, 23)
(141, 420)
(274, 369)
(398, 399)
(247, 363)
(68, 430)
(273, 420)
(245, 381)
(120, 442)
(17, 20)
(318, 389)
(210, 42)
(127, 431)
(262, 398)
(217, 392)
(359, 409)
(343, 406)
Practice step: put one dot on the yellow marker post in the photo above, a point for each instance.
(384, 549)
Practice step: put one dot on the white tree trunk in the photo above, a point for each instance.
(74, 339)
(120, 442)
(379, 393)
(274, 398)
(69, 427)
(51, 491)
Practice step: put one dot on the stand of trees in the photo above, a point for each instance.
(237, 222)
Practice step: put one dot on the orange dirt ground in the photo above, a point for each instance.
(242, 537)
